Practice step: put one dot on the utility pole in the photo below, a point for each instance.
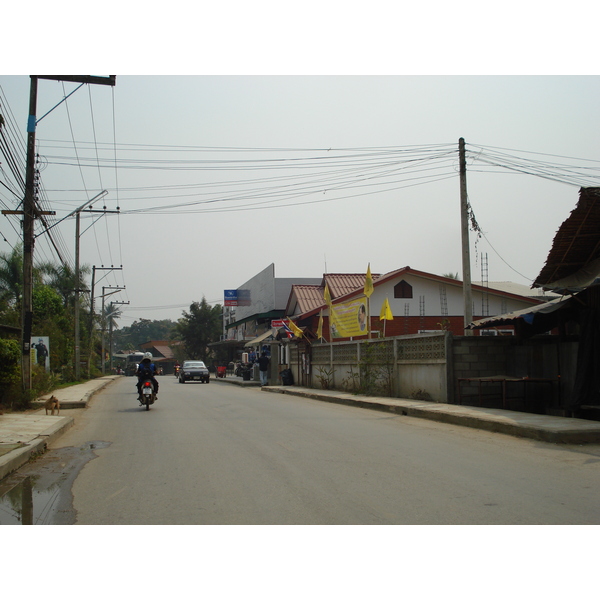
(110, 332)
(28, 216)
(464, 227)
(77, 212)
(92, 309)
(29, 213)
(77, 291)
(116, 289)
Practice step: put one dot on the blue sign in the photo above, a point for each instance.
(231, 297)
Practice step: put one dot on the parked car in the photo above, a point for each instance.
(194, 370)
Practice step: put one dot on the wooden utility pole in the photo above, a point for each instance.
(29, 213)
(464, 227)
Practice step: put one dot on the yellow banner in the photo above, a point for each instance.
(349, 319)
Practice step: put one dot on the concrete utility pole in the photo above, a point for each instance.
(110, 334)
(464, 226)
(28, 216)
(30, 210)
(77, 212)
(92, 306)
(103, 318)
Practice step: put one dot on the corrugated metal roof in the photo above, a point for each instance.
(574, 259)
(525, 314)
(518, 289)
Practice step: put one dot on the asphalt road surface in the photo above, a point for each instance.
(219, 454)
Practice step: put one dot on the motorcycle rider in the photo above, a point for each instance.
(146, 370)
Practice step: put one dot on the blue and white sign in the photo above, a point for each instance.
(231, 297)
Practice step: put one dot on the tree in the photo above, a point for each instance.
(450, 275)
(144, 330)
(62, 279)
(199, 327)
(11, 277)
(47, 304)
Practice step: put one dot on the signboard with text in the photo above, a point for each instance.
(231, 298)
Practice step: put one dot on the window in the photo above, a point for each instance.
(403, 290)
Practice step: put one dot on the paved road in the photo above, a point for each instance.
(218, 454)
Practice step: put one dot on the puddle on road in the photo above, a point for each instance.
(39, 493)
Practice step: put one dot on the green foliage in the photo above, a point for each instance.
(325, 377)
(10, 359)
(142, 331)
(198, 328)
(47, 303)
(10, 374)
(11, 277)
(42, 381)
(376, 369)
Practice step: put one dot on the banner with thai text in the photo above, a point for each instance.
(349, 319)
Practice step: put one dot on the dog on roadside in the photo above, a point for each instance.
(51, 404)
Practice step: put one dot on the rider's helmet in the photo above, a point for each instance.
(147, 356)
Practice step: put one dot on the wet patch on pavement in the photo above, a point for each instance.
(39, 493)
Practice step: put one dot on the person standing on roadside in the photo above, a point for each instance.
(263, 365)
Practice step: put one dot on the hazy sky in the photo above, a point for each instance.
(217, 176)
(352, 207)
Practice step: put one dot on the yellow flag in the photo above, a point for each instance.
(368, 282)
(327, 296)
(320, 327)
(386, 312)
(295, 329)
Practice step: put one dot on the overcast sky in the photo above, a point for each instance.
(408, 215)
(217, 176)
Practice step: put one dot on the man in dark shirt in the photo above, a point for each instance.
(263, 365)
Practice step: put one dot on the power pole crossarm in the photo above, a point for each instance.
(110, 80)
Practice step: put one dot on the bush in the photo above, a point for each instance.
(10, 374)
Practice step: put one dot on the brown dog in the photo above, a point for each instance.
(51, 404)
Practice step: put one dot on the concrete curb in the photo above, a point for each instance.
(17, 458)
(239, 382)
(538, 427)
(80, 403)
(38, 443)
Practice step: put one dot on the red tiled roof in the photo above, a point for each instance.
(307, 297)
(359, 283)
(342, 283)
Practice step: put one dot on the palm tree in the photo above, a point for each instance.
(62, 279)
(11, 277)
(110, 316)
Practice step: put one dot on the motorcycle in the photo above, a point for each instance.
(177, 369)
(148, 393)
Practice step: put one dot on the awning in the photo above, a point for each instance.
(261, 338)
(573, 262)
(526, 314)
